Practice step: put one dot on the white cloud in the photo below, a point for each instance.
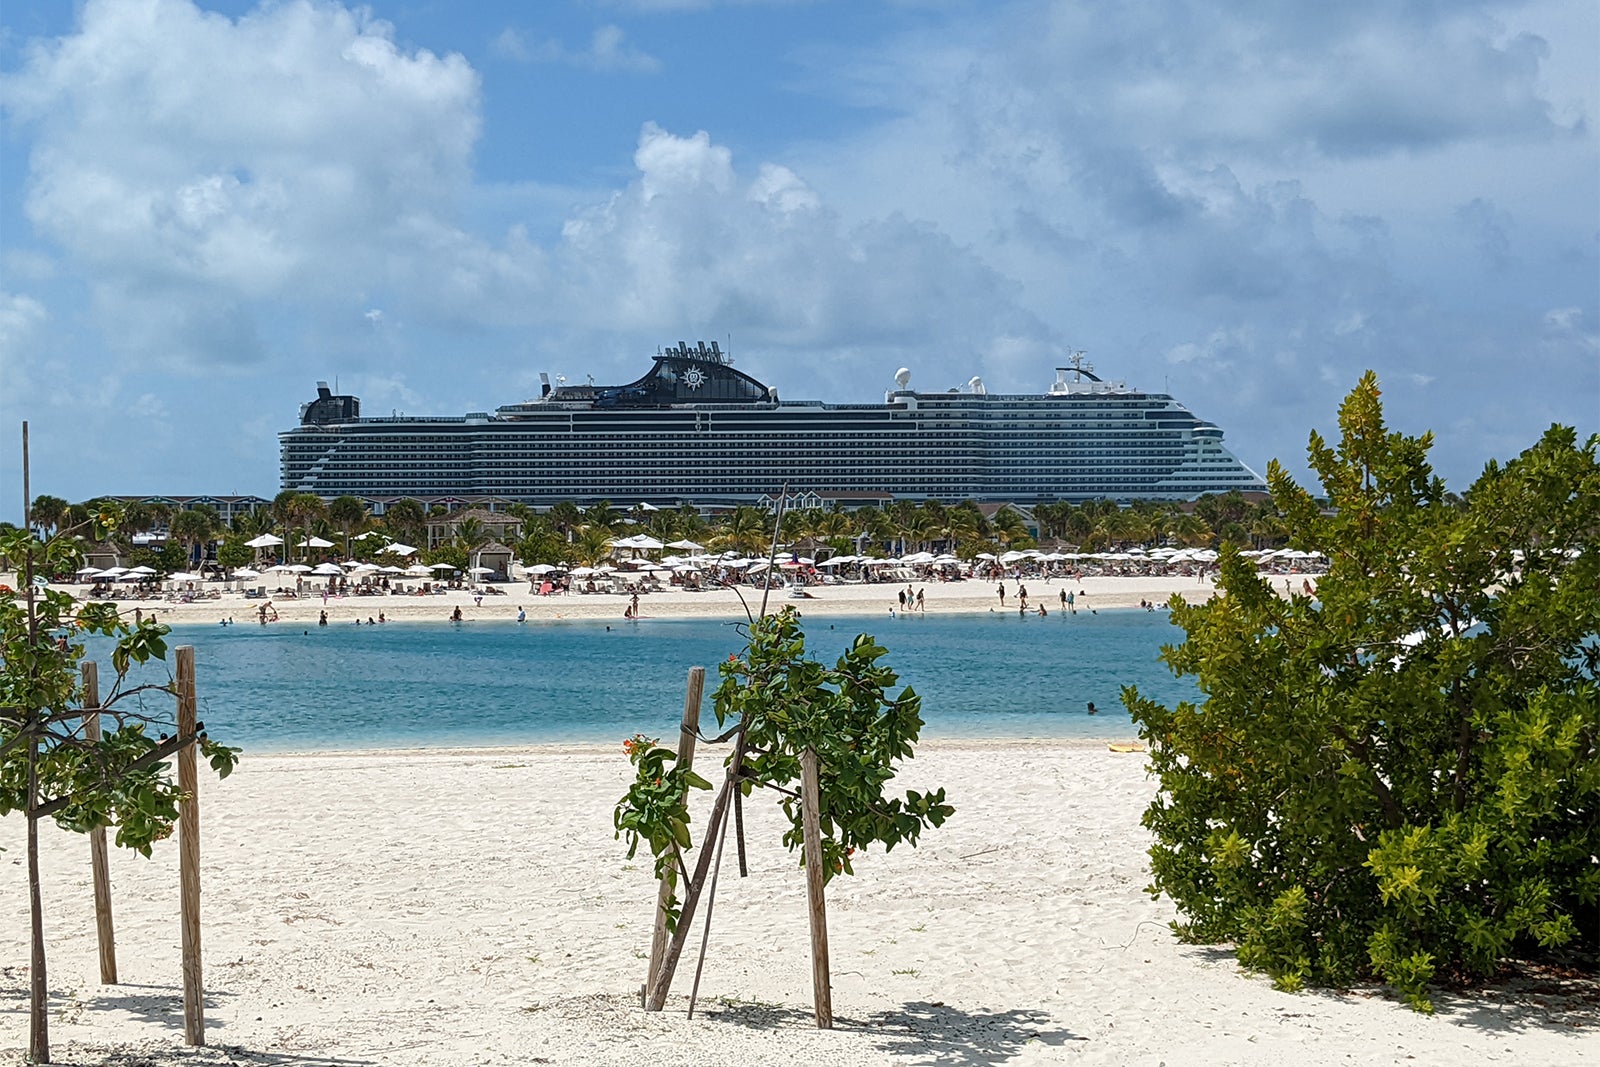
(196, 168)
(22, 323)
(607, 50)
(694, 244)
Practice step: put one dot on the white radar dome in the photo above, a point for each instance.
(902, 376)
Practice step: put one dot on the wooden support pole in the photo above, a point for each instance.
(194, 1022)
(687, 732)
(105, 932)
(661, 982)
(811, 818)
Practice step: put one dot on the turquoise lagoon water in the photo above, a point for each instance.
(407, 685)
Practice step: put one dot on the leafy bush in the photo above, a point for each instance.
(1398, 777)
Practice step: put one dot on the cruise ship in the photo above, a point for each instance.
(695, 430)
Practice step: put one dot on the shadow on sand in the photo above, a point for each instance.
(922, 1032)
(1524, 996)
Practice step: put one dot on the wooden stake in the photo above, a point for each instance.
(194, 1022)
(687, 732)
(661, 983)
(104, 931)
(811, 819)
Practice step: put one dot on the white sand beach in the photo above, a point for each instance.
(1091, 593)
(472, 907)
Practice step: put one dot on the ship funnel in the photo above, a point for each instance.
(544, 384)
(902, 376)
(976, 385)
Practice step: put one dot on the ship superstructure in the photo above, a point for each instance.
(695, 430)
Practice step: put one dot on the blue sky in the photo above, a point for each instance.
(207, 207)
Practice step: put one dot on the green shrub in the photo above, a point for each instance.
(1396, 778)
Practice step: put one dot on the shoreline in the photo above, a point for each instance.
(1034, 743)
(969, 596)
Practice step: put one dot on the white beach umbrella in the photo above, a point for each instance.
(246, 572)
(185, 576)
(298, 568)
(88, 570)
(399, 549)
(583, 572)
(316, 542)
(480, 570)
(442, 566)
(417, 571)
(685, 544)
(264, 541)
(141, 570)
(329, 569)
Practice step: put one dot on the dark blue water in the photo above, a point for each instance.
(404, 685)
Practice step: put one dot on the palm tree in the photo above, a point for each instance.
(349, 512)
(962, 524)
(192, 528)
(832, 527)
(252, 522)
(603, 515)
(921, 528)
(593, 544)
(744, 529)
(567, 517)
(471, 535)
(687, 522)
(1009, 527)
(47, 513)
(405, 521)
(302, 509)
(1188, 529)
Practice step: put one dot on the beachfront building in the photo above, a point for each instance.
(493, 525)
(694, 430)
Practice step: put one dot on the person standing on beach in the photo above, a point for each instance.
(902, 595)
(1063, 600)
(921, 605)
(1022, 595)
(1002, 590)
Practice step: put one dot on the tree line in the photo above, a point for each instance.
(569, 533)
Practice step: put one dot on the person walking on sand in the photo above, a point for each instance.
(902, 595)
(1002, 589)
(1022, 594)
(921, 604)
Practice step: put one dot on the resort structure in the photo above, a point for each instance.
(695, 430)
